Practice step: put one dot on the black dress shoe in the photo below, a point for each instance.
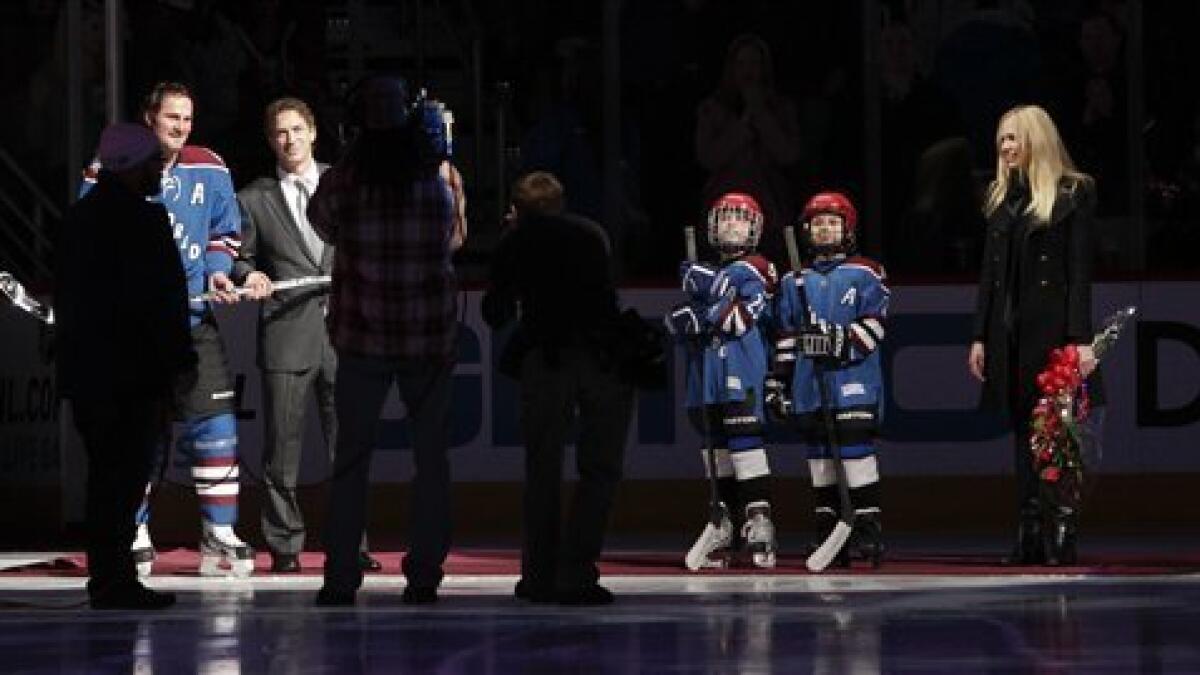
(285, 563)
(594, 594)
(419, 595)
(131, 596)
(328, 597)
(368, 564)
(534, 593)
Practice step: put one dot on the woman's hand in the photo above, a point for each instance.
(975, 360)
(1087, 360)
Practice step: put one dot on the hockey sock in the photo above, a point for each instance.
(825, 502)
(863, 476)
(223, 534)
(141, 538)
(143, 512)
(726, 483)
(753, 474)
(211, 443)
(160, 462)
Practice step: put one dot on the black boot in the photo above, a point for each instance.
(867, 540)
(1062, 537)
(1029, 549)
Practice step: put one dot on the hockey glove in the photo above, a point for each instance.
(825, 341)
(683, 322)
(697, 280)
(775, 398)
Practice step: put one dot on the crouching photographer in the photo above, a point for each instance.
(552, 273)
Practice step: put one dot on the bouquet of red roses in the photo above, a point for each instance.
(1057, 426)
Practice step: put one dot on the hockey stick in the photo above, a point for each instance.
(716, 514)
(286, 284)
(15, 292)
(833, 544)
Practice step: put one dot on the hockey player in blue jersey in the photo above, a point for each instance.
(726, 364)
(830, 319)
(206, 224)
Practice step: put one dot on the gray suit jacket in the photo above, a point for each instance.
(291, 325)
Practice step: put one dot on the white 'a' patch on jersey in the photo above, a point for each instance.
(850, 296)
(198, 194)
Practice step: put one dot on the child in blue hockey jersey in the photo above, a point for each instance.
(726, 363)
(830, 319)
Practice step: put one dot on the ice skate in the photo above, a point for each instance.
(220, 545)
(759, 533)
(712, 548)
(867, 540)
(143, 551)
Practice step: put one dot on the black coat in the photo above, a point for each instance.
(557, 271)
(1049, 306)
(121, 303)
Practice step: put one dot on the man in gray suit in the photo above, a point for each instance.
(293, 346)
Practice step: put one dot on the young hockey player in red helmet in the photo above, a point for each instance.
(831, 316)
(727, 361)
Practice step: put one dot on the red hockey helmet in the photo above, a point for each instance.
(837, 204)
(734, 223)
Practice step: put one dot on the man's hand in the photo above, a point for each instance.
(222, 288)
(258, 286)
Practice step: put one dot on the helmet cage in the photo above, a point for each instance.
(734, 224)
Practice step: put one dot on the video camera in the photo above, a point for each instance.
(382, 102)
(438, 122)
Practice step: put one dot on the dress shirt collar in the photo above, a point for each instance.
(309, 176)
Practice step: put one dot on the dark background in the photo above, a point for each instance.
(896, 103)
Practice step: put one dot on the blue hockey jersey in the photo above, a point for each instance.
(729, 358)
(852, 293)
(198, 194)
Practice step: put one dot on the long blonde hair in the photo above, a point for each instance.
(1048, 163)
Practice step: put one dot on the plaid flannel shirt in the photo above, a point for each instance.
(394, 287)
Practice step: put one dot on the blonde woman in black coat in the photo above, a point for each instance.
(1034, 295)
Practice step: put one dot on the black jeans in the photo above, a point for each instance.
(122, 437)
(362, 385)
(580, 386)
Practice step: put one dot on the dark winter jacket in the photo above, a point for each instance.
(120, 296)
(554, 272)
(1049, 302)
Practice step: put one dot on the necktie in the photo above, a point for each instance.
(314, 243)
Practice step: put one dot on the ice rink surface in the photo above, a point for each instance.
(1026, 620)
